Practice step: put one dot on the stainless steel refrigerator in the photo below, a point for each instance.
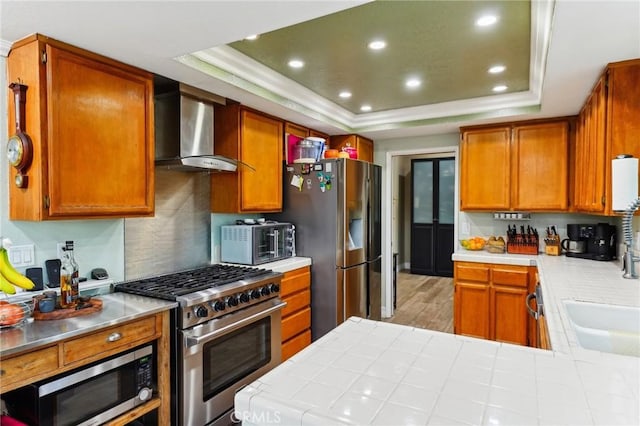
(335, 207)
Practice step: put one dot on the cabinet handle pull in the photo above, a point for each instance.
(114, 337)
(2, 372)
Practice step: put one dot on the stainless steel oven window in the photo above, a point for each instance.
(235, 356)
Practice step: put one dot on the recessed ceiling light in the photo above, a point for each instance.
(252, 37)
(486, 20)
(296, 63)
(413, 83)
(377, 44)
(365, 108)
(345, 95)
(497, 69)
(500, 88)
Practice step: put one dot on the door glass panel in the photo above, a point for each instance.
(234, 356)
(446, 191)
(422, 192)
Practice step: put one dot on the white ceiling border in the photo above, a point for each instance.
(5, 47)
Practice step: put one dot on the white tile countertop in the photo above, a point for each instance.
(369, 372)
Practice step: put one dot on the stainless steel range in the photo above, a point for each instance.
(225, 334)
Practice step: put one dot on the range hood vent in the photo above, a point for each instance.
(184, 131)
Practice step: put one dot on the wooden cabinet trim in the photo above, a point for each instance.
(296, 323)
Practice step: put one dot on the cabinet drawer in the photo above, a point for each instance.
(518, 277)
(295, 345)
(296, 323)
(294, 281)
(467, 272)
(28, 366)
(296, 301)
(107, 340)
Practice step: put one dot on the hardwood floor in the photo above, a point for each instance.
(424, 301)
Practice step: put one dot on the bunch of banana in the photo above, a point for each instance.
(9, 277)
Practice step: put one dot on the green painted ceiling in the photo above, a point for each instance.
(436, 41)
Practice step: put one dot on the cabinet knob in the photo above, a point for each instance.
(114, 337)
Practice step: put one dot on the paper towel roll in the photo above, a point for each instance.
(624, 182)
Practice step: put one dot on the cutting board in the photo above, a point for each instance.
(56, 314)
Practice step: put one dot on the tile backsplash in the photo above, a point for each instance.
(178, 236)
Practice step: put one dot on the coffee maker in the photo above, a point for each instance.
(596, 242)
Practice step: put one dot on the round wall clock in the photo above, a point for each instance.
(19, 146)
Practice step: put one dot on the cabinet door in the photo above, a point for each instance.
(471, 309)
(540, 166)
(485, 169)
(100, 138)
(261, 148)
(365, 149)
(509, 316)
(590, 153)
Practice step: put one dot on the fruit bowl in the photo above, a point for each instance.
(473, 244)
(13, 314)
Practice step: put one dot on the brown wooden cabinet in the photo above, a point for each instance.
(255, 139)
(489, 301)
(303, 132)
(608, 125)
(30, 366)
(363, 146)
(91, 122)
(485, 168)
(515, 166)
(540, 174)
(295, 290)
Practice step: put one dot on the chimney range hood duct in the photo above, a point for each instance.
(184, 131)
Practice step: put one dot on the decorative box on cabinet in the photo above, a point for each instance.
(608, 125)
(256, 140)
(489, 301)
(515, 166)
(363, 146)
(295, 290)
(91, 123)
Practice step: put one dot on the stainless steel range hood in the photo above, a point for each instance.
(184, 131)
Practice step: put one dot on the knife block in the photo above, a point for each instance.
(552, 246)
(518, 245)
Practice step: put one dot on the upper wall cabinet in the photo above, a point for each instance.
(90, 120)
(303, 132)
(608, 125)
(363, 146)
(515, 166)
(256, 140)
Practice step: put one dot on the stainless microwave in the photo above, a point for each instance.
(90, 395)
(257, 244)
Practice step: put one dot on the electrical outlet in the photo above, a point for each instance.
(60, 249)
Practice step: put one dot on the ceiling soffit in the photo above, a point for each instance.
(235, 68)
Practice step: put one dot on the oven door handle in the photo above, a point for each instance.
(194, 341)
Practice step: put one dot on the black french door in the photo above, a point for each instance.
(432, 216)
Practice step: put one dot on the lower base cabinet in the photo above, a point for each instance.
(295, 290)
(490, 301)
(31, 366)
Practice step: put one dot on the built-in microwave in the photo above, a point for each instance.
(257, 244)
(90, 395)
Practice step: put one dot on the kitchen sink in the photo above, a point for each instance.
(604, 327)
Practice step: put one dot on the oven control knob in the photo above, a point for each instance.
(232, 301)
(274, 288)
(201, 312)
(145, 394)
(219, 306)
(255, 294)
(265, 291)
(244, 298)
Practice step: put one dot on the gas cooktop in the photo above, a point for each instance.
(173, 285)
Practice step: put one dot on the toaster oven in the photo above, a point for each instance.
(257, 244)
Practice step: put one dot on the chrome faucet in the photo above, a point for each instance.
(629, 260)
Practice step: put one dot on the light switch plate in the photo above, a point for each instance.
(22, 256)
